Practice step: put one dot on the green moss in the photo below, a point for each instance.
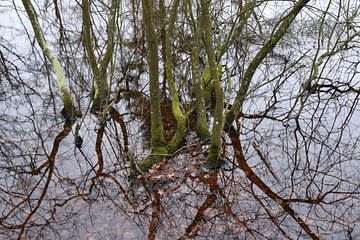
(203, 132)
(201, 121)
(214, 160)
(148, 162)
(69, 110)
(157, 129)
(177, 139)
(215, 141)
(156, 142)
(260, 56)
(157, 155)
(97, 103)
(230, 117)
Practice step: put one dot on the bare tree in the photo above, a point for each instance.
(179, 119)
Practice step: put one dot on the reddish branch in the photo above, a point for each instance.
(250, 174)
(98, 150)
(51, 164)
(155, 216)
(117, 118)
(192, 230)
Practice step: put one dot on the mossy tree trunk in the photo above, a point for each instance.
(69, 109)
(158, 148)
(213, 159)
(100, 83)
(176, 109)
(157, 129)
(201, 121)
(157, 143)
(260, 56)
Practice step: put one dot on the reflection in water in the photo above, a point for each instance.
(176, 199)
(290, 151)
(82, 196)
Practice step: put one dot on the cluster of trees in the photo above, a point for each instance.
(233, 118)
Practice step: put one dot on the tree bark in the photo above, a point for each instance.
(201, 121)
(260, 56)
(69, 110)
(176, 109)
(213, 160)
(157, 129)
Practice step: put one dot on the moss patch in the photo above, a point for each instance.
(214, 160)
(157, 155)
